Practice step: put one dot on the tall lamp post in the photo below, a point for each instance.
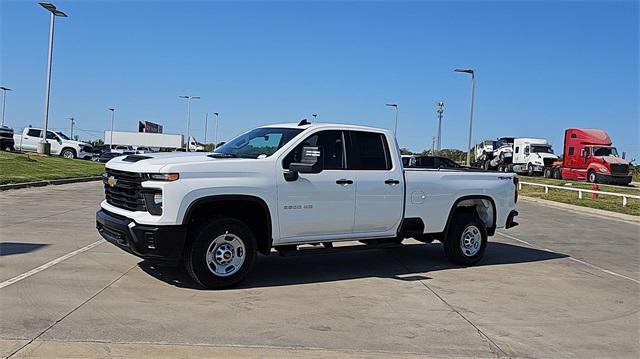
(73, 122)
(113, 115)
(215, 138)
(395, 129)
(473, 91)
(189, 98)
(440, 111)
(4, 100)
(44, 146)
(206, 119)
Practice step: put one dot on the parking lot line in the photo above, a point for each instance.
(571, 258)
(49, 264)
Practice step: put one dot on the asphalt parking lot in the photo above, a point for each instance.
(562, 284)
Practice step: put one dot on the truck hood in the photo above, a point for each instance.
(544, 155)
(76, 143)
(156, 162)
(612, 159)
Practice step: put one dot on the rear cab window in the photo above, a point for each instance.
(368, 151)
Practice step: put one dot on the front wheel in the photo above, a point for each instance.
(591, 177)
(466, 240)
(68, 153)
(221, 253)
(530, 170)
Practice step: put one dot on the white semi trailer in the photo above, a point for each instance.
(143, 139)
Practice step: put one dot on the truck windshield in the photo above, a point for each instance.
(605, 151)
(541, 149)
(63, 136)
(257, 143)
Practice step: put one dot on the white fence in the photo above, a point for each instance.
(580, 191)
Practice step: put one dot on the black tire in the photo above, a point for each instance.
(68, 153)
(557, 174)
(591, 177)
(196, 252)
(547, 172)
(453, 242)
(530, 170)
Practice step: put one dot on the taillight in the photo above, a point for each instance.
(516, 183)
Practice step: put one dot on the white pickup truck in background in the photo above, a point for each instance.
(60, 143)
(282, 186)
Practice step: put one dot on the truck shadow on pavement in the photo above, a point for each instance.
(408, 263)
(11, 248)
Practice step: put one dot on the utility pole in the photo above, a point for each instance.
(72, 123)
(440, 111)
(4, 100)
(433, 145)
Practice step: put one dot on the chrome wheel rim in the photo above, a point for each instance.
(470, 241)
(225, 255)
(68, 154)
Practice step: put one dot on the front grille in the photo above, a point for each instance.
(127, 191)
(619, 169)
(87, 149)
(548, 162)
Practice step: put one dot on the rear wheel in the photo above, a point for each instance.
(466, 239)
(221, 253)
(530, 170)
(557, 174)
(547, 172)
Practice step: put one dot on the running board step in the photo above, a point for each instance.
(292, 251)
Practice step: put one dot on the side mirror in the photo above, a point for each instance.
(311, 162)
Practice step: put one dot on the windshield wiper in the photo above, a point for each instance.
(221, 155)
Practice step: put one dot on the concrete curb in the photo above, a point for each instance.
(5, 187)
(586, 210)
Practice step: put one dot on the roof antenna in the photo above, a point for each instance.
(304, 122)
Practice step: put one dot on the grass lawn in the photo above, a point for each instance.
(19, 167)
(609, 203)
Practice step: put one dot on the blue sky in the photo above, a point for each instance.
(541, 66)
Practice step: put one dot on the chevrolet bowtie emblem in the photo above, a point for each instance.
(111, 181)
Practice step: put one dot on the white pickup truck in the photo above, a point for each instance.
(60, 143)
(282, 186)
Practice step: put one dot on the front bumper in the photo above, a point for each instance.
(85, 155)
(619, 180)
(162, 243)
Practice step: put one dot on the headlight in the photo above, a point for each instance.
(603, 170)
(168, 177)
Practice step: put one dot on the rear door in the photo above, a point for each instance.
(319, 205)
(379, 184)
(29, 141)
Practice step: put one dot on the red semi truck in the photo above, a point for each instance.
(588, 155)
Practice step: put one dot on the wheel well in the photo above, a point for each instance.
(483, 206)
(250, 210)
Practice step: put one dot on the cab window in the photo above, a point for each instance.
(32, 132)
(370, 151)
(331, 144)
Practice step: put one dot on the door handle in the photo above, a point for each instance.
(392, 182)
(344, 181)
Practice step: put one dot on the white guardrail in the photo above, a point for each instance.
(624, 196)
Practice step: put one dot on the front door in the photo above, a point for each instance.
(317, 206)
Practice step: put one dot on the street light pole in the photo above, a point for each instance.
(189, 98)
(395, 129)
(215, 140)
(440, 111)
(113, 115)
(72, 123)
(473, 91)
(44, 147)
(4, 99)
(206, 119)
